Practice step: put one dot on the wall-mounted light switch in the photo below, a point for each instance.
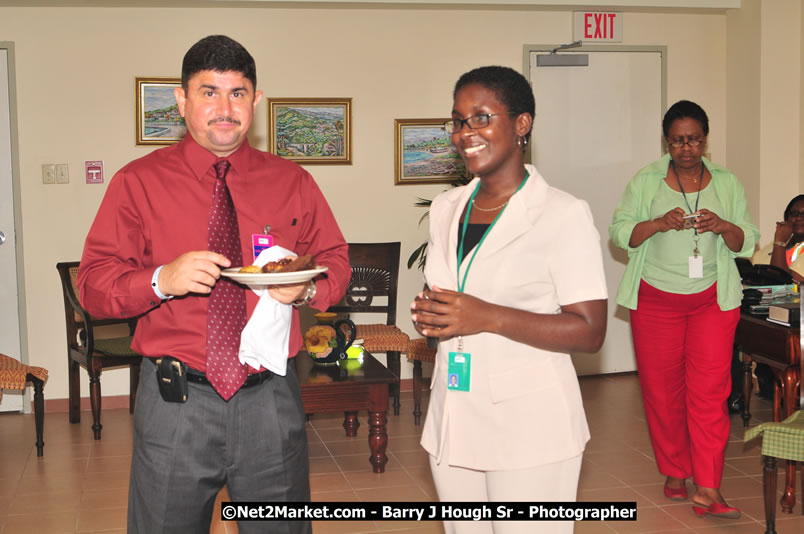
(62, 174)
(48, 173)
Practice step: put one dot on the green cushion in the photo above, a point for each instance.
(782, 440)
(116, 346)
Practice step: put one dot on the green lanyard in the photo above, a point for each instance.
(462, 283)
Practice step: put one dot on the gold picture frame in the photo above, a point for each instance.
(157, 114)
(311, 131)
(424, 153)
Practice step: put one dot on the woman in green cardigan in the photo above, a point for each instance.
(683, 220)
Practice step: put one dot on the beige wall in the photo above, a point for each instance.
(75, 77)
(780, 110)
(801, 100)
(743, 113)
(765, 51)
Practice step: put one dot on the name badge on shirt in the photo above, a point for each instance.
(696, 266)
(260, 242)
(459, 371)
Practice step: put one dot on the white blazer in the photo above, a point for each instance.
(524, 408)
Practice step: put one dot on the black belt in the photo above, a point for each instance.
(201, 378)
(252, 380)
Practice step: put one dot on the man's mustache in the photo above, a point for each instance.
(224, 119)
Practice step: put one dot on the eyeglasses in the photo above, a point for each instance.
(794, 213)
(481, 120)
(691, 141)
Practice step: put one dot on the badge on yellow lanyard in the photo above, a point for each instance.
(459, 365)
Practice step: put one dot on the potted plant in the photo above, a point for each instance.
(419, 256)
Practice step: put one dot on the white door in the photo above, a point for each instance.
(9, 294)
(595, 127)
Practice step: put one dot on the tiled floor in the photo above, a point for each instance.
(80, 485)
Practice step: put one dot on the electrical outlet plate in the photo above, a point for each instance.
(62, 174)
(48, 173)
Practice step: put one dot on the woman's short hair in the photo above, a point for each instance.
(511, 88)
(684, 109)
(790, 206)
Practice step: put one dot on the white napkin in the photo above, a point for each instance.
(265, 339)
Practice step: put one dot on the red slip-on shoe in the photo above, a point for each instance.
(716, 509)
(679, 494)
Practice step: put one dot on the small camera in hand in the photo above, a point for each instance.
(690, 219)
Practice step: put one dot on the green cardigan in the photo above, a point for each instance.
(634, 207)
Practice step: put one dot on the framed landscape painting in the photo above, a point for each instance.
(158, 120)
(311, 130)
(424, 153)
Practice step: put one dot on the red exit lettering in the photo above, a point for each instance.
(599, 25)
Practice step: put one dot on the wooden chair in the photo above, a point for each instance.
(14, 375)
(419, 352)
(779, 440)
(372, 289)
(85, 349)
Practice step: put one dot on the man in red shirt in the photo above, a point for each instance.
(150, 253)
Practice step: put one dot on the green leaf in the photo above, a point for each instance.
(417, 254)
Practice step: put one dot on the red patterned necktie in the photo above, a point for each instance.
(227, 302)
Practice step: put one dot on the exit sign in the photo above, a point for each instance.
(598, 26)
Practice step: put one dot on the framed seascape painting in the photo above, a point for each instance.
(158, 120)
(424, 153)
(311, 130)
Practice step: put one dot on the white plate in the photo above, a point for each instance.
(270, 279)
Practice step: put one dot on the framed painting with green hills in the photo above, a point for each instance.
(424, 153)
(311, 130)
(158, 119)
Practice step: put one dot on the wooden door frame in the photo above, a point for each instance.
(8, 46)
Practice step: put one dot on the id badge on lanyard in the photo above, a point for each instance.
(459, 371)
(696, 266)
(696, 260)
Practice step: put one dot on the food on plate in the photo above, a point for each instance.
(289, 265)
(285, 265)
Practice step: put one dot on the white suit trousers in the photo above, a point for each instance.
(551, 482)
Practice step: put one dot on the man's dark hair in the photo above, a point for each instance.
(220, 54)
(684, 109)
(511, 88)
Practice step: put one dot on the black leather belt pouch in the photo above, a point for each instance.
(171, 374)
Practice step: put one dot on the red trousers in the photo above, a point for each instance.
(683, 346)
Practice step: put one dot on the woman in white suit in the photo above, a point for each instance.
(528, 289)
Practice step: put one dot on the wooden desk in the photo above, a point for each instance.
(780, 348)
(336, 389)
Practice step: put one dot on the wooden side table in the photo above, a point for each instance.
(350, 388)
